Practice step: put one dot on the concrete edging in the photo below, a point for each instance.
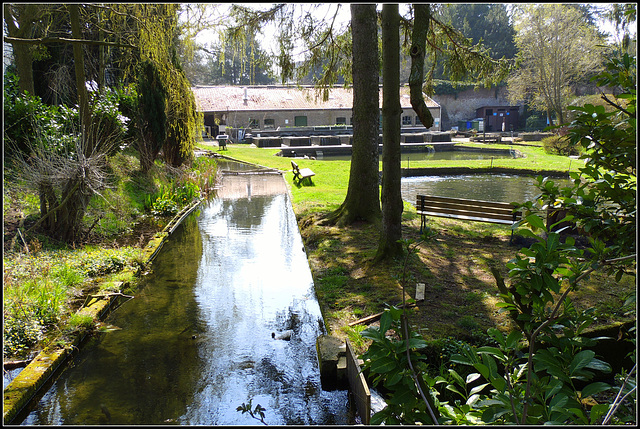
(33, 377)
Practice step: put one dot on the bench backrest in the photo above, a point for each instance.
(465, 207)
(295, 167)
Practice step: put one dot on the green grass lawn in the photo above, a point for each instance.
(332, 177)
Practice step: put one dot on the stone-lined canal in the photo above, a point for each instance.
(196, 341)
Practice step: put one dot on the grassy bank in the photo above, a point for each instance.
(455, 265)
(332, 177)
(45, 282)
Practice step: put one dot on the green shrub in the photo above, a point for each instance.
(535, 123)
(20, 334)
(560, 145)
(164, 205)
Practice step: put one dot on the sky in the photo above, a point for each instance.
(326, 10)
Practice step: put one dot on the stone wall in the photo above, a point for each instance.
(287, 118)
(462, 106)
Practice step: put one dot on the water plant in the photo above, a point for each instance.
(256, 413)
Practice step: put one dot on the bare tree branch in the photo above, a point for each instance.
(46, 40)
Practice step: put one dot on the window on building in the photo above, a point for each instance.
(341, 121)
(406, 120)
(254, 123)
(300, 121)
(269, 123)
(417, 121)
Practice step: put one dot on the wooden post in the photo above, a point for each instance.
(358, 385)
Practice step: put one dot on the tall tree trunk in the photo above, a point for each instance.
(391, 233)
(363, 194)
(421, 21)
(21, 52)
(78, 59)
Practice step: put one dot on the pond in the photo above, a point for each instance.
(449, 155)
(489, 187)
(196, 341)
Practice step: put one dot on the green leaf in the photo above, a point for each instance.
(597, 411)
(472, 377)
(497, 335)
(493, 351)
(581, 360)
(535, 221)
(456, 377)
(527, 233)
(499, 383)
(383, 364)
(453, 389)
(578, 412)
(482, 369)
(394, 377)
(594, 388)
(558, 401)
(417, 343)
(478, 389)
(457, 358)
(491, 364)
(372, 333)
(385, 322)
(513, 338)
(402, 396)
(554, 386)
(599, 365)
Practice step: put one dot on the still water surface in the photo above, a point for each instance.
(451, 155)
(195, 342)
(488, 187)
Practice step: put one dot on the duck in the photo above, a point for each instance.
(284, 335)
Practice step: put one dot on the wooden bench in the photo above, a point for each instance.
(489, 138)
(464, 209)
(301, 174)
(222, 141)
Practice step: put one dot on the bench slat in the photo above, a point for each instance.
(435, 200)
(306, 172)
(466, 217)
(506, 211)
(466, 209)
(432, 211)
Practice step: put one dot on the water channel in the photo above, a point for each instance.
(196, 341)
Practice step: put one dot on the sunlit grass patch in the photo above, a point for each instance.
(38, 288)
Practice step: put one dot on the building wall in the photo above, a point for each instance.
(287, 118)
(462, 106)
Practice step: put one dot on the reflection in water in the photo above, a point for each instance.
(196, 341)
(449, 155)
(255, 280)
(145, 372)
(488, 187)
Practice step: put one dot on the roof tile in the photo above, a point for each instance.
(223, 98)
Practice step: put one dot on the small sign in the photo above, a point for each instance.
(420, 291)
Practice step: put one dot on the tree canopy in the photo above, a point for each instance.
(556, 50)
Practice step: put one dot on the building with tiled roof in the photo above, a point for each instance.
(272, 107)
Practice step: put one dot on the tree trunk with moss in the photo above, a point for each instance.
(389, 245)
(422, 17)
(363, 195)
(18, 20)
